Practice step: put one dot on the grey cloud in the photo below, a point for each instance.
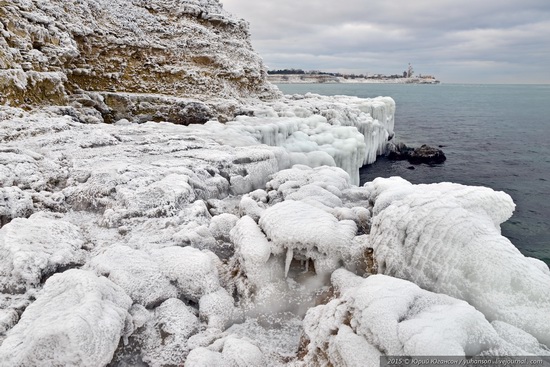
(444, 37)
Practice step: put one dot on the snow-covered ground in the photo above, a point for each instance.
(248, 243)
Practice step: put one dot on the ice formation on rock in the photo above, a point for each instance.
(37, 247)
(446, 238)
(14, 203)
(297, 228)
(385, 315)
(220, 250)
(77, 319)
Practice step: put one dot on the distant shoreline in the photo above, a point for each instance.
(329, 79)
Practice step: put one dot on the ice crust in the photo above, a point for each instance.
(386, 315)
(37, 247)
(446, 238)
(14, 203)
(209, 245)
(297, 227)
(77, 320)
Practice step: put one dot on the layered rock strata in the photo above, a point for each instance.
(56, 52)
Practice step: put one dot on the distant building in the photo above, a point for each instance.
(410, 71)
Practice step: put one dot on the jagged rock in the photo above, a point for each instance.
(426, 154)
(398, 152)
(50, 51)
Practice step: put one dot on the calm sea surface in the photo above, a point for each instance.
(493, 135)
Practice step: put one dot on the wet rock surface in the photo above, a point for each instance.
(424, 154)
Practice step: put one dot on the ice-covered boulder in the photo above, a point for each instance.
(14, 203)
(446, 238)
(297, 228)
(34, 248)
(384, 315)
(193, 271)
(252, 250)
(164, 338)
(221, 225)
(217, 309)
(77, 320)
(229, 351)
(135, 272)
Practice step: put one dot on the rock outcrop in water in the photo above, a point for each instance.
(424, 154)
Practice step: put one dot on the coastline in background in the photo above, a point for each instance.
(493, 135)
(330, 79)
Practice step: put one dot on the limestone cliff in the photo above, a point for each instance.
(56, 52)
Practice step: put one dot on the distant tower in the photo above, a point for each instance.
(410, 71)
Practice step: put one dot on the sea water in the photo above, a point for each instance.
(493, 135)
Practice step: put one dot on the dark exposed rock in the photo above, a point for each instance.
(424, 154)
(398, 152)
(427, 154)
(191, 113)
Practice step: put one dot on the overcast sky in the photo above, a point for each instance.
(486, 41)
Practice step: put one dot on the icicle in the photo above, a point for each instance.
(289, 256)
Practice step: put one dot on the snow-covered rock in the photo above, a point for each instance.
(77, 320)
(53, 52)
(14, 203)
(135, 272)
(294, 227)
(384, 315)
(37, 247)
(193, 272)
(221, 225)
(446, 238)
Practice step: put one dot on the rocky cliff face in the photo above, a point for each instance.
(56, 52)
